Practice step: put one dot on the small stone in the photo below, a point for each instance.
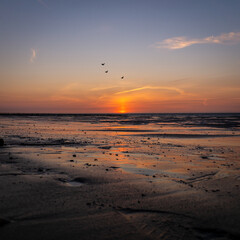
(40, 169)
(1, 142)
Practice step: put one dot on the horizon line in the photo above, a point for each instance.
(46, 113)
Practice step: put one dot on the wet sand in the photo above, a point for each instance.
(116, 184)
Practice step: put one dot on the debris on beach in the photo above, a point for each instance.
(105, 147)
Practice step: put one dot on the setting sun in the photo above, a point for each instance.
(121, 104)
(122, 111)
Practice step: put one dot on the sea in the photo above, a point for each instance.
(79, 129)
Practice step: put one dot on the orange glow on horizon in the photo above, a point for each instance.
(121, 105)
(122, 111)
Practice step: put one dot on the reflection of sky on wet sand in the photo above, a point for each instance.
(108, 146)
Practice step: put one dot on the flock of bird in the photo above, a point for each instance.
(103, 64)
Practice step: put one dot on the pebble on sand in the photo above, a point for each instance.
(1, 142)
(3, 221)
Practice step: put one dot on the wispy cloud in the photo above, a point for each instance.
(153, 88)
(33, 55)
(103, 88)
(43, 3)
(182, 42)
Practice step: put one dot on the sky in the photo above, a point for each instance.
(175, 56)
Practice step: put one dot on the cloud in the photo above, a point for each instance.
(34, 54)
(103, 88)
(151, 87)
(43, 3)
(182, 42)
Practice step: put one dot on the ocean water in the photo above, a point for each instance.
(74, 129)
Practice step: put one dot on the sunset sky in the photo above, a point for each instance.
(175, 56)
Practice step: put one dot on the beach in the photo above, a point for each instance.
(120, 176)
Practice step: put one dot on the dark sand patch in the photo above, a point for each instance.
(169, 135)
(105, 147)
(3, 222)
(133, 210)
(213, 233)
(122, 130)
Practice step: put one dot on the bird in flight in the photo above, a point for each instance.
(107, 70)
